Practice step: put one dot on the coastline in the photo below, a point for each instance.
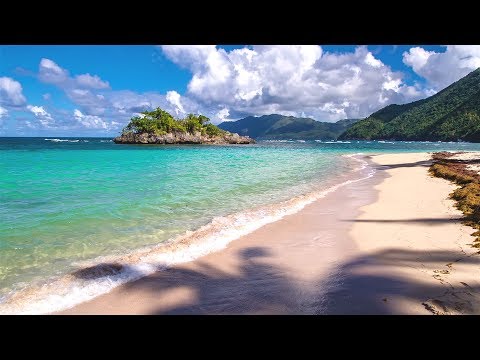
(102, 274)
(275, 269)
(372, 258)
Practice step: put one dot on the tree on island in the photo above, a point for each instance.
(160, 122)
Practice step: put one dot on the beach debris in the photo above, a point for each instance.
(455, 167)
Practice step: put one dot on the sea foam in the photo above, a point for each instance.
(63, 140)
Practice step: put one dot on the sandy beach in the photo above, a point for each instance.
(414, 253)
(390, 244)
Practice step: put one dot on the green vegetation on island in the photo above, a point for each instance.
(160, 127)
(275, 126)
(160, 122)
(450, 115)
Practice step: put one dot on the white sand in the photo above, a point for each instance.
(420, 253)
(467, 155)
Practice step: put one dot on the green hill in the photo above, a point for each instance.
(286, 127)
(450, 115)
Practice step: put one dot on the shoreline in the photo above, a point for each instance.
(388, 243)
(276, 269)
(100, 275)
(390, 251)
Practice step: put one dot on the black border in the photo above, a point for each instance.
(327, 336)
(243, 22)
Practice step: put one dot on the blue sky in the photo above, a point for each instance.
(94, 90)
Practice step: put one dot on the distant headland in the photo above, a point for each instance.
(160, 127)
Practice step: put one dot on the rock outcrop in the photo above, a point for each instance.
(182, 138)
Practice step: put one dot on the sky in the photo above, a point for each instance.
(94, 90)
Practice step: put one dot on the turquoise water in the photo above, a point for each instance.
(64, 201)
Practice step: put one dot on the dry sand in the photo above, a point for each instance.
(405, 253)
(416, 254)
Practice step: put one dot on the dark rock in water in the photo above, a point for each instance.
(98, 271)
(182, 138)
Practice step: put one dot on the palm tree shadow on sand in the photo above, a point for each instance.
(255, 288)
(258, 287)
(362, 286)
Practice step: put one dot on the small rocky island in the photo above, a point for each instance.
(159, 127)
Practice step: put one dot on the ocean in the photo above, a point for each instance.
(79, 216)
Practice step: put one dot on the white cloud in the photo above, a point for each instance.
(11, 92)
(41, 114)
(440, 69)
(78, 88)
(91, 121)
(126, 103)
(3, 112)
(189, 55)
(50, 72)
(223, 114)
(417, 58)
(370, 60)
(93, 82)
(105, 111)
(173, 98)
(39, 111)
(90, 103)
(290, 80)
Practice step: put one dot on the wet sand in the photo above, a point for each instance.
(390, 244)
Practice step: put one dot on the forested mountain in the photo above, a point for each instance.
(450, 115)
(286, 127)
